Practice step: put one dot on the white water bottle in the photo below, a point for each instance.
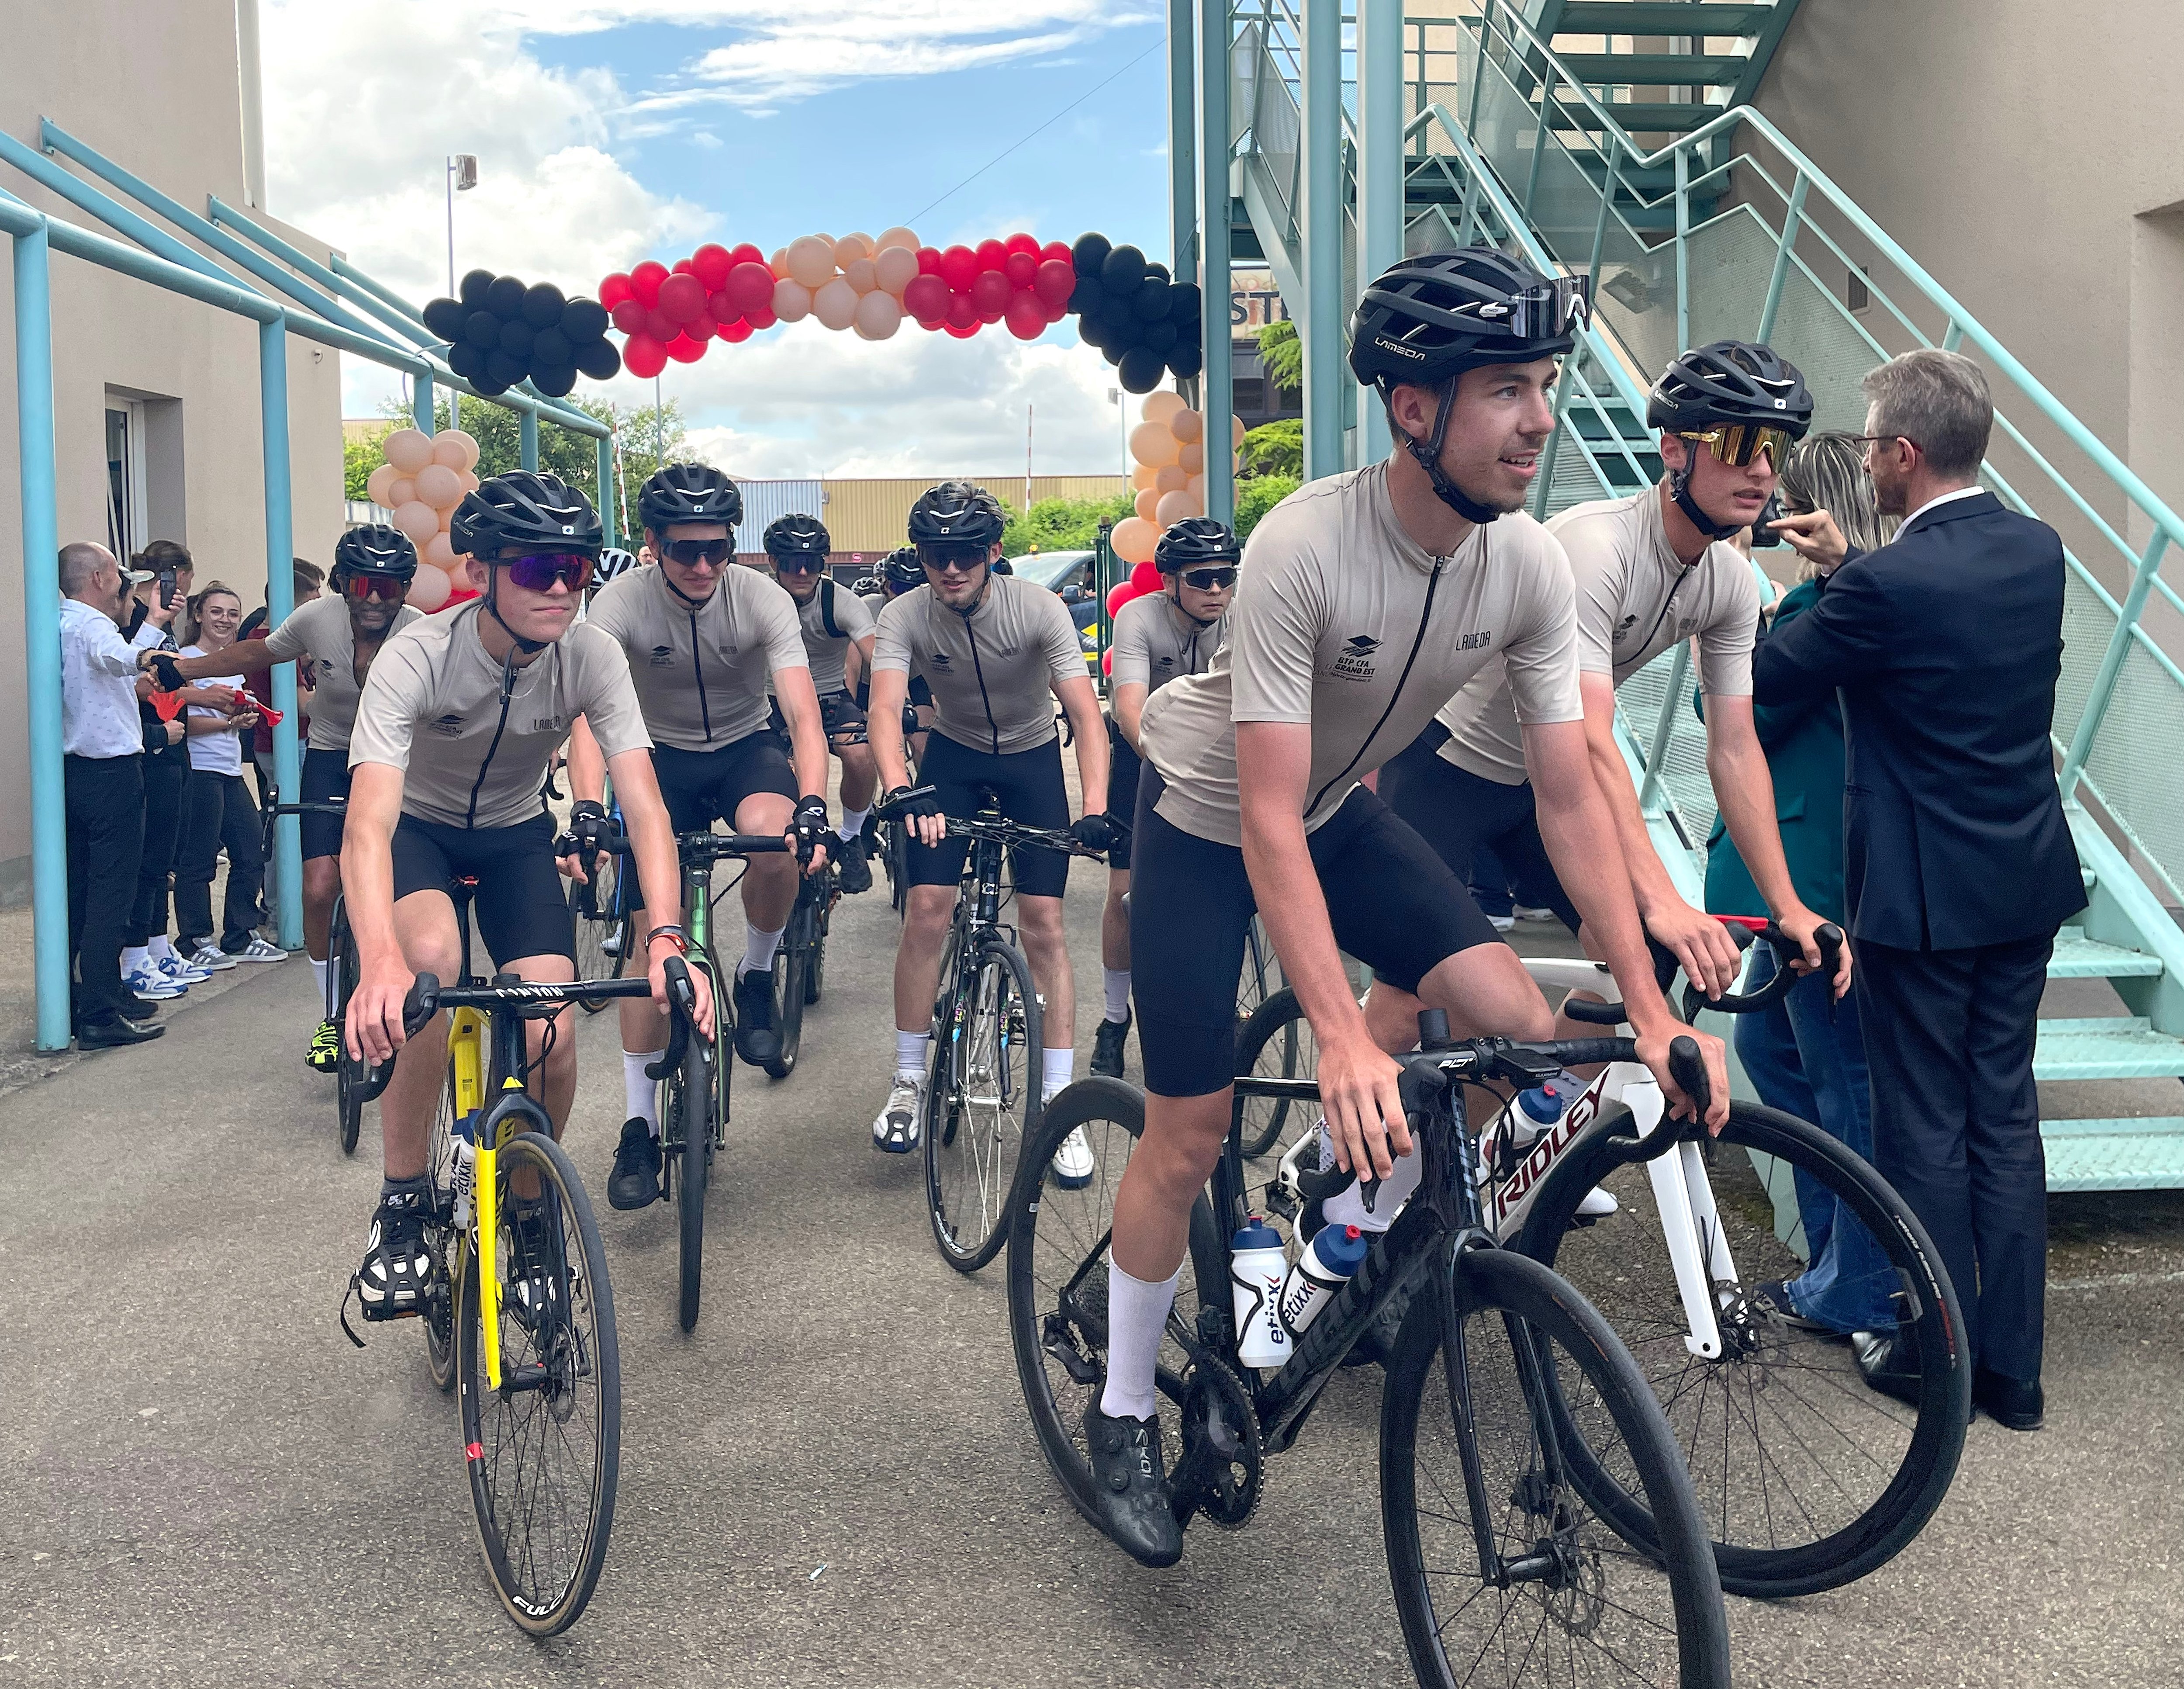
(461, 1169)
(1256, 1262)
(1327, 1263)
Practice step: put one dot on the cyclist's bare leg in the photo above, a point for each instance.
(1485, 991)
(926, 912)
(769, 881)
(1038, 922)
(321, 884)
(425, 928)
(861, 776)
(1174, 1159)
(643, 1023)
(1114, 923)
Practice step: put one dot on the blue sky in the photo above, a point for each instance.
(609, 130)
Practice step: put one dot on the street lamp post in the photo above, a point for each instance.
(462, 176)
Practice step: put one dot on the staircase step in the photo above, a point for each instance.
(2107, 1047)
(2079, 957)
(2114, 1155)
(1654, 70)
(1674, 18)
(1641, 119)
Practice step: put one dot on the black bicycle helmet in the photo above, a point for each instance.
(688, 492)
(797, 536)
(1434, 316)
(1001, 565)
(1728, 384)
(614, 563)
(957, 513)
(868, 586)
(902, 572)
(376, 549)
(522, 508)
(1195, 543)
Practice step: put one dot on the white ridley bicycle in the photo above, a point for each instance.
(1809, 1477)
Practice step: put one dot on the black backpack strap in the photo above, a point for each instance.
(827, 608)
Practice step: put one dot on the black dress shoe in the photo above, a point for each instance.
(2016, 1403)
(114, 1033)
(1888, 1363)
(138, 1009)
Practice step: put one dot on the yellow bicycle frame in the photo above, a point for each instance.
(466, 1055)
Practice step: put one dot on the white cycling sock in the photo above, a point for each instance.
(134, 957)
(853, 824)
(1056, 1069)
(319, 971)
(913, 1051)
(640, 1092)
(1116, 982)
(1136, 1316)
(163, 947)
(1346, 1207)
(758, 948)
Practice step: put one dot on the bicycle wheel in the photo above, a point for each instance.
(980, 1105)
(814, 962)
(1057, 1279)
(1262, 976)
(1807, 1478)
(1584, 1606)
(602, 929)
(790, 959)
(444, 1239)
(544, 1450)
(694, 1102)
(1276, 1043)
(348, 1073)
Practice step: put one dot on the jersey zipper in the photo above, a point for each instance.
(697, 668)
(507, 694)
(1418, 640)
(977, 668)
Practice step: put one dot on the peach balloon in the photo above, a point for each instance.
(1197, 487)
(1152, 443)
(417, 519)
(778, 263)
(448, 518)
(1142, 476)
(1236, 430)
(851, 247)
(879, 314)
(1174, 507)
(440, 552)
(1187, 426)
(429, 589)
(439, 486)
(1192, 457)
(811, 262)
(1171, 479)
(1148, 502)
(1134, 539)
(1159, 406)
(835, 305)
(862, 274)
(897, 237)
(470, 481)
(456, 448)
(400, 490)
(408, 450)
(792, 300)
(896, 267)
(382, 478)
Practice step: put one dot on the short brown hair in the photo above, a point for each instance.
(309, 577)
(1938, 401)
(198, 598)
(163, 554)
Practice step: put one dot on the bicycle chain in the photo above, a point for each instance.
(1223, 1454)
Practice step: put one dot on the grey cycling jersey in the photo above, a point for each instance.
(1155, 642)
(992, 672)
(831, 621)
(317, 636)
(472, 755)
(701, 670)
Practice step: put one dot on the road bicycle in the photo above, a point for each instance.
(342, 972)
(604, 907)
(1808, 1479)
(800, 963)
(1538, 1522)
(982, 1080)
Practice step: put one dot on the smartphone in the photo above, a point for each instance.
(1762, 530)
(167, 584)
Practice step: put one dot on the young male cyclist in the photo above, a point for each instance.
(702, 638)
(1368, 597)
(458, 719)
(997, 652)
(1158, 638)
(1652, 570)
(334, 642)
(833, 623)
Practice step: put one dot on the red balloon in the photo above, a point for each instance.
(685, 350)
(1120, 594)
(722, 310)
(682, 297)
(763, 317)
(1020, 267)
(644, 357)
(701, 327)
(644, 282)
(750, 285)
(959, 265)
(1025, 317)
(710, 265)
(989, 294)
(1057, 310)
(682, 267)
(1055, 252)
(629, 316)
(927, 298)
(929, 260)
(1053, 282)
(937, 322)
(1107, 662)
(1022, 244)
(661, 326)
(613, 290)
(962, 333)
(745, 254)
(736, 333)
(1146, 577)
(961, 319)
(991, 255)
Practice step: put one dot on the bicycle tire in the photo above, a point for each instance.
(974, 1137)
(1811, 1467)
(790, 959)
(598, 917)
(1665, 1615)
(579, 1348)
(695, 1177)
(1275, 1042)
(1052, 1234)
(1261, 975)
(814, 963)
(348, 1073)
(446, 1243)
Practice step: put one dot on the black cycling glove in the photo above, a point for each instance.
(811, 824)
(1094, 832)
(587, 821)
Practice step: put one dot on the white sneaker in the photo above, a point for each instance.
(894, 1129)
(176, 972)
(212, 958)
(1597, 1204)
(153, 986)
(1073, 1162)
(1501, 923)
(259, 951)
(1526, 912)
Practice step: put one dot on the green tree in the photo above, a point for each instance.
(1275, 447)
(360, 457)
(1257, 495)
(1061, 524)
(1282, 354)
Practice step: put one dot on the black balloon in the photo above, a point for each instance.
(1124, 269)
(1151, 299)
(515, 338)
(445, 318)
(548, 347)
(1140, 370)
(584, 320)
(1118, 309)
(1158, 270)
(483, 329)
(1185, 361)
(504, 368)
(488, 388)
(473, 291)
(1183, 302)
(598, 360)
(542, 305)
(1088, 254)
(1086, 298)
(554, 380)
(466, 360)
(504, 298)
(1159, 337)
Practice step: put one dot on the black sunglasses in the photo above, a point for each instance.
(689, 553)
(1209, 580)
(953, 565)
(799, 563)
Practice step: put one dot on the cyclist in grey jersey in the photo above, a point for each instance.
(1158, 638)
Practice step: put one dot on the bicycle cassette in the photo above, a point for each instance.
(1223, 1454)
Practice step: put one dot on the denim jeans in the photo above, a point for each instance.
(1805, 1062)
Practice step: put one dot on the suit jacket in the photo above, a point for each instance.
(1944, 646)
(1804, 744)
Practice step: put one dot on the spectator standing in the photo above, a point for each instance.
(221, 814)
(1959, 867)
(309, 579)
(103, 746)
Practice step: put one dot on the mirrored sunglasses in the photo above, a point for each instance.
(799, 563)
(1738, 444)
(690, 552)
(537, 573)
(1209, 580)
(365, 588)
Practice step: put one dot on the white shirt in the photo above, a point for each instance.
(99, 682)
(1939, 499)
(222, 752)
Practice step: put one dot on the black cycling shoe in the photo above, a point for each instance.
(397, 1277)
(1135, 1507)
(1107, 1047)
(756, 1041)
(537, 1275)
(635, 1181)
(849, 855)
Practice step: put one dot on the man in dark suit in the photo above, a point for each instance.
(1958, 861)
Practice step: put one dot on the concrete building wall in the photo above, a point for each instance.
(870, 515)
(153, 84)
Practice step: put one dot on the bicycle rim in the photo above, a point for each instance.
(1276, 1043)
(1593, 1609)
(991, 1074)
(693, 1095)
(445, 1242)
(789, 961)
(543, 1462)
(1807, 1478)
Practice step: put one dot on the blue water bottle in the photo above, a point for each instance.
(1328, 1263)
(1544, 1105)
(1257, 1261)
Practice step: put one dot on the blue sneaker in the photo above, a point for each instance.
(152, 985)
(176, 972)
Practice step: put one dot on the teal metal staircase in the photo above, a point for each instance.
(1522, 126)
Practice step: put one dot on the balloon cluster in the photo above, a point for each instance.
(1136, 318)
(1167, 471)
(500, 333)
(1016, 282)
(424, 478)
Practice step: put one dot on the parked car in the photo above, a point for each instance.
(1067, 573)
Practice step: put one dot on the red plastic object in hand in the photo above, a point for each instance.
(270, 715)
(166, 705)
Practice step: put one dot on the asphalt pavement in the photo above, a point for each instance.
(833, 1480)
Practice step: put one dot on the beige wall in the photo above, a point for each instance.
(868, 515)
(154, 85)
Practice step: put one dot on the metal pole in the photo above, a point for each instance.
(1182, 142)
(2104, 678)
(1680, 674)
(1379, 168)
(531, 440)
(279, 601)
(1478, 66)
(606, 492)
(1217, 379)
(422, 408)
(41, 636)
(1683, 250)
(659, 428)
(454, 399)
(1321, 222)
(1782, 258)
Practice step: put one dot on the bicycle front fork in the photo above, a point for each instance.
(1683, 1196)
